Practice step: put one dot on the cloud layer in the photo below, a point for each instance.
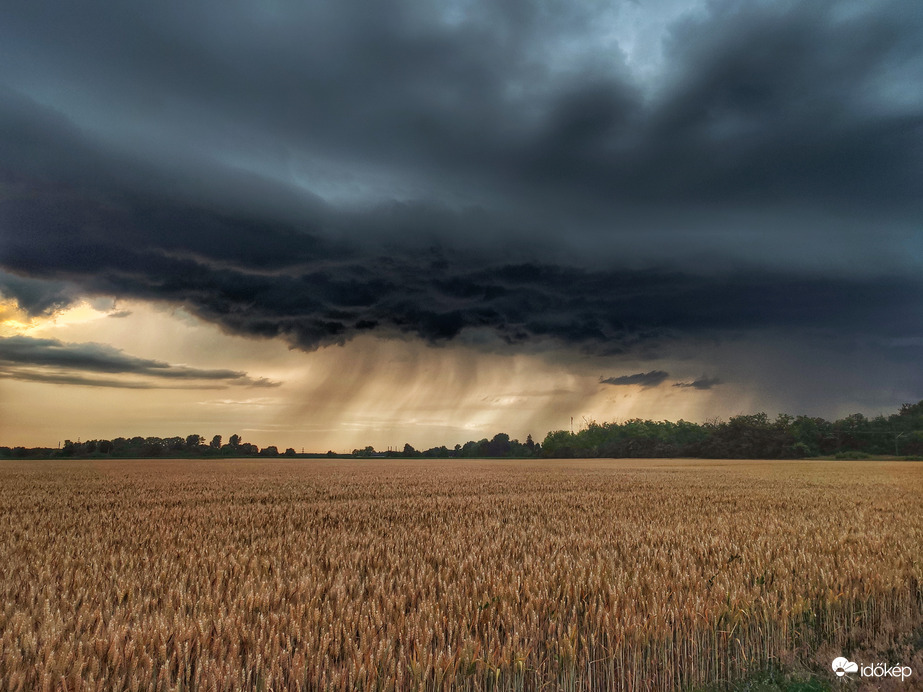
(50, 360)
(510, 174)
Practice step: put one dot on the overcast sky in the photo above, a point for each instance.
(353, 223)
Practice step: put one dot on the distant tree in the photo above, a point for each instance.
(193, 441)
(558, 443)
(290, 452)
(852, 433)
(812, 436)
(911, 410)
(234, 440)
(472, 449)
(409, 451)
(153, 446)
(175, 443)
(270, 451)
(499, 446)
(216, 442)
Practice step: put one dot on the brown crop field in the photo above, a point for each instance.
(400, 575)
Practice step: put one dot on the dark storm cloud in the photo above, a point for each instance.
(490, 170)
(19, 352)
(701, 383)
(776, 103)
(797, 102)
(271, 280)
(642, 379)
(35, 296)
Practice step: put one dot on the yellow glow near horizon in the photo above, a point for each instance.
(372, 391)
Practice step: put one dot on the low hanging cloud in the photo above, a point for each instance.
(653, 378)
(28, 375)
(701, 383)
(51, 360)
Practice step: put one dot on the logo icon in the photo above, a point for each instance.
(841, 666)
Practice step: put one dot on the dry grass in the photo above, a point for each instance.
(402, 575)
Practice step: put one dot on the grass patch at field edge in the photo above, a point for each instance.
(773, 681)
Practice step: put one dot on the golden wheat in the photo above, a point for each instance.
(394, 575)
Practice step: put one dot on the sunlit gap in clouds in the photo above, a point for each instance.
(16, 321)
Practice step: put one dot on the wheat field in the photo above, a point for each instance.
(401, 575)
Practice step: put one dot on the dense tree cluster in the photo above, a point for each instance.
(755, 436)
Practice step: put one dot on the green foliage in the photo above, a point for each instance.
(851, 456)
(775, 682)
(753, 436)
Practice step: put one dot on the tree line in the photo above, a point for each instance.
(499, 446)
(190, 446)
(753, 436)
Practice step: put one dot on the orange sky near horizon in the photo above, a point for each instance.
(370, 391)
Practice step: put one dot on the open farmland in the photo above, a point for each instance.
(304, 574)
